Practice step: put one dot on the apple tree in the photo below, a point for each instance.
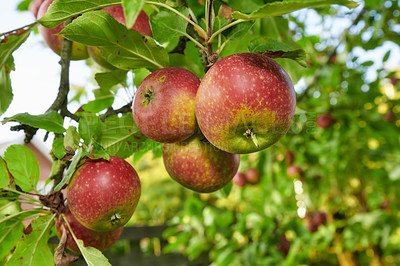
(313, 189)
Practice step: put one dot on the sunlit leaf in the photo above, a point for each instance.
(131, 10)
(51, 121)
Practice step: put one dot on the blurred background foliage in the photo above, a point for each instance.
(341, 206)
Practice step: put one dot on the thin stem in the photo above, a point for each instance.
(200, 29)
(21, 193)
(210, 24)
(225, 28)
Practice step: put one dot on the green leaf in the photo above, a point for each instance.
(61, 10)
(278, 49)
(107, 80)
(71, 139)
(4, 178)
(23, 166)
(104, 99)
(12, 42)
(386, 56)
(89, 127)
(33, 248)
(123, 48)
(140, 75)
(6, 94)
(10, 234)
(71, 169)
(167, 26)
(51, 121)
(179, 60)
(58, 148)
(284, 7)
(148, 145)
(131, 11)
(120, 136)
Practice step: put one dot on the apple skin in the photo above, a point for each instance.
(168, 116)
(244, 93)
(102, 195)
(253, 175)
(239, 179)
(198, 165)
(100, 240)
(34, 7)
(78, 51)
(142, 25)
(289, 157)
(325, 120)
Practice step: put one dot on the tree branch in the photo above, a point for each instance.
(124, 109)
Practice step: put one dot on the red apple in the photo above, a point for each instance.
(163, 108)
(100, 240)
(34, 7)
(239, 179)
(293, 171)
(319, 218)
(390, 116)
(289, 157)
(253, 175)
(325, 120)
(198, 165)
(245, 103)
(142, 25)
(102, 194)
(54, 41)
(311, 226)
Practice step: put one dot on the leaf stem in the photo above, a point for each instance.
(215, 34)
(21, 193)
(200, 29)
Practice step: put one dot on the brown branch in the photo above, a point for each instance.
(124, 109)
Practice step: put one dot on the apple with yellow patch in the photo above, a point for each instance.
(163, 108)
(245, 103)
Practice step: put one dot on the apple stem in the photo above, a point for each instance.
(148, 96)
(249, 134)
(115, 218)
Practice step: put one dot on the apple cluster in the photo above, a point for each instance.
(245, 103)
(101, 198)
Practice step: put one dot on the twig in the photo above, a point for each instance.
(124, 109)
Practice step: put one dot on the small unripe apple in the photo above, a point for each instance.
(102, 195)
(245, 103)
(253, 175)
(78, 51)
(239, 179)
(325, 120)
(142, 25)
(163, 108)
(198, 165)
(294, 171)
(100, 240)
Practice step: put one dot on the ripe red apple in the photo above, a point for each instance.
(163, 108)
(294, 171)
(34, 7)
(198, 165)
(100, 240)
(142, 25)
(253, 175)
(325, 120)
(102, 194)
(239, 179)
(54, 41)
(245, 103)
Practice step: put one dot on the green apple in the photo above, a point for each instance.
(245, 103)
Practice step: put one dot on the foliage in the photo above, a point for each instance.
(350, 170)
